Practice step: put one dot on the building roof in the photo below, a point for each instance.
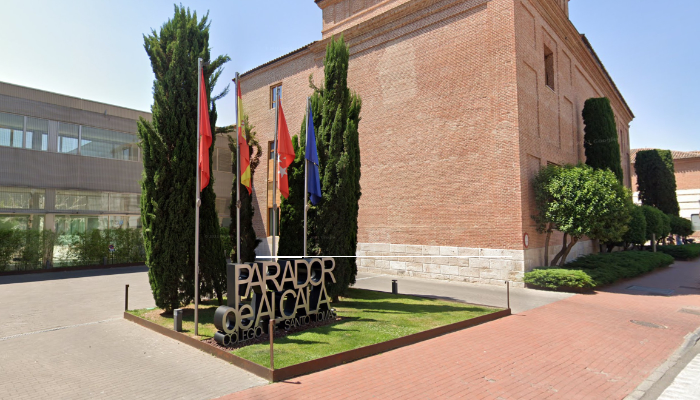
(605, 71)
(291, 53)
(677, 155)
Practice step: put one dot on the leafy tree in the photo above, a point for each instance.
(249, 241)
(542, 200)
(600, 136)
(681, 226)
(665, 228)
(169, 144)
(656, 180)
(637, 227)
(655, 222)
(586, 202)
(333, 222)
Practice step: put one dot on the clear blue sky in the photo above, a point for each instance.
(94, 50)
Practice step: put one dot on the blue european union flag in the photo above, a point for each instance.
(313, 178)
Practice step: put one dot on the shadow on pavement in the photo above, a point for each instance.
(52, 276)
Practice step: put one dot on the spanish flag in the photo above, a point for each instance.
(243, 149)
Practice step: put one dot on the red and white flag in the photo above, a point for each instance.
(285, 152)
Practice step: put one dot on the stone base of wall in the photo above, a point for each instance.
(535, 257)
(463, 264)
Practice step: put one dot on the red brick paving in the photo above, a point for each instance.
(584, 347)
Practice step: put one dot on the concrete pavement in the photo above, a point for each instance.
(62, 336)
(489, 295)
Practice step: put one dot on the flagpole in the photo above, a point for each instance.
(197, 204)
(274, 180)
(238, 174)
(306, 174)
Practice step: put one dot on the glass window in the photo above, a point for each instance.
(102, 143)
(11, 130)
(22, 222)
(22, 198)
(124, 202)
(275, 93)
(124, 222)
(37, 135)
(78, 200)
(68, 138)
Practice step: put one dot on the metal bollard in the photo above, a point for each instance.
(177, 320)
(126, 298)
(394, 287)
(508, 294)
(271, 331)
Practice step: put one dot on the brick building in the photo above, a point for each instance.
(687, 168)
(463, 102)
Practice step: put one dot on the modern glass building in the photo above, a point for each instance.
(72, 165)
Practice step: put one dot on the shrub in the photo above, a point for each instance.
(10, 244)
(600, 269)
(681, 226)
(637, 227)
(684, 252)
(91, 247)
(655, 222)
(558, 278)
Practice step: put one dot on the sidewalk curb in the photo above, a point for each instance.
(690, 340)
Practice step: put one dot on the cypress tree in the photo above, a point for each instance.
(291, 240)
(656, 180)
(600, 136)
(169, 144)
(249, 240)
(332, 224)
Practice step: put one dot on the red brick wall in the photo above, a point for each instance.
(456, 119)
(551, 125)
(687, 174)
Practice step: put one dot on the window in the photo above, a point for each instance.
(223, 206)
(37, 135)
(11, 130)
(74, 200)
(68, 135)
(549, 67)
(275, 93)
(22, 198)
(95, 142)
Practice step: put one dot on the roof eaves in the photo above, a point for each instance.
(278, 59)
(605, 71)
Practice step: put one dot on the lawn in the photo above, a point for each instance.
(368, 318)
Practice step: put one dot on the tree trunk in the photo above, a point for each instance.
(610, 247)
(561, 252)
(546, 245)
(568, 249)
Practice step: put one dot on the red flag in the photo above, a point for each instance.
(285, 152)
(204, 136)
(243, 148)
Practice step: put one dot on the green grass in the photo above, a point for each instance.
(369, 318)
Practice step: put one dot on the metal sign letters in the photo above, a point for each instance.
(291, 292)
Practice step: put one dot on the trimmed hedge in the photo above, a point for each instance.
(684, 252)
(600, 269)
(558, 278)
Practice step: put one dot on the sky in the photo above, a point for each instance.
(94, 50)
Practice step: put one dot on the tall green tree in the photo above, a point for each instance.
(249, 241)
(637, 227)
(291, 240)
(586, 202)
(542, 200)
(656, 180)
(169, 145)
(333, 222)
(600, 136)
